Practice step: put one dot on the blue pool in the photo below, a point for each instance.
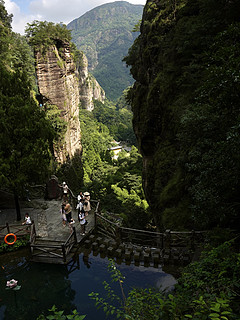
(43, 285)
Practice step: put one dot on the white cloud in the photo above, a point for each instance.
(53, 10)
(61, 10)
(20, 19)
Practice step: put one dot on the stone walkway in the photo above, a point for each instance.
(47, 217)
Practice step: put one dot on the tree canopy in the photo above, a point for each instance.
(42, 34)
(26, 135)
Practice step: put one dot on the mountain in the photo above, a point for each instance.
(105, 34)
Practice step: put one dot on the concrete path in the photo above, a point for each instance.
(47, 218)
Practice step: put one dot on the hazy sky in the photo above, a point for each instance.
(25, 11)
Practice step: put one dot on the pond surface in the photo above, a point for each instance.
(43, 285)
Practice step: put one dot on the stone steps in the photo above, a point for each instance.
(128, 253)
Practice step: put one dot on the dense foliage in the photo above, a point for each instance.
(42, 34)
(104, 34)
(25, 133)
(59, 315)
(117, 183)
(117, 117)
(208, 289)
(186, 111)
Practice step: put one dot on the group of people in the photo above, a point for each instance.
(83, 208)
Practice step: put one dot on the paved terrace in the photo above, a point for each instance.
(46, 216)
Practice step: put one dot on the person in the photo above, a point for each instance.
(86, 205)
(65, 191)
(62, 211)
(79, 197)
(27, 221)
(82, 221)
(68, 212)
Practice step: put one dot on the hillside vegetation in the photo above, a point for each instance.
(104, 34)
(186, 111)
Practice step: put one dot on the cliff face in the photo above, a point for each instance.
(66, 84)
(179, 114)
(58, 85)
(89, 88)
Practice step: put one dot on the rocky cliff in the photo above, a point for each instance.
(58, 85)
(179, 111)
(67, 84)
(89, 88)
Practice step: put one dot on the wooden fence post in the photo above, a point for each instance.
(64, 252)
(168, 239)
(95, 213)
(95, 219)
(74, 234)
(8, 229)
(118, 234)
(193, 240)
(162, 241)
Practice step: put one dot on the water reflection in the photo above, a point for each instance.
(41, 286)
(44, 285)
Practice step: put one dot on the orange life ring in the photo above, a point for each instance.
(10, 234)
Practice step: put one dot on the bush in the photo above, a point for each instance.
(23, 242)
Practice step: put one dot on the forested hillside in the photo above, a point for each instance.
(186, 111)
(26, 134)
(104, 34)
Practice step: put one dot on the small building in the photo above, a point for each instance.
(116, 151)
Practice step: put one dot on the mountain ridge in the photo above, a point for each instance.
(105, 34)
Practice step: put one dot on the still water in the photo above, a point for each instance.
(43, 285)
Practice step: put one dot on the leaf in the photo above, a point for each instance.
(214, 315)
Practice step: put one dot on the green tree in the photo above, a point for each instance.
(42, 34)
(25, 135)
(5, 32)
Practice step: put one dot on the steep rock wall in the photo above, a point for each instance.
(89, 88)
(173, 62)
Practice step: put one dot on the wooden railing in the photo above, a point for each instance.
(68, 245)
(18, 229)
(165, 240)
(56, 252)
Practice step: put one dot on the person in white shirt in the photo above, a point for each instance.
(65, 191)
(81, 217)
(27, 221)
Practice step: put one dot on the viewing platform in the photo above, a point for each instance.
(52, 242)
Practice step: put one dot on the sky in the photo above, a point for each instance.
(26, 11)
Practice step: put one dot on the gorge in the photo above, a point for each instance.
(185, 103)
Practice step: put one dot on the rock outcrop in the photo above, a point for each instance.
(89, 88)
(58, 85)
(67, 84)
